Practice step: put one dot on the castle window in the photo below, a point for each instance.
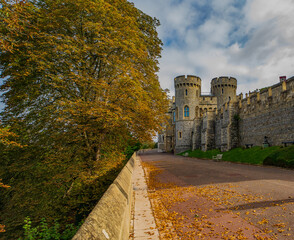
(186, 92)
(174, 116)
(222, 91)
(186, 111)
(180, 135)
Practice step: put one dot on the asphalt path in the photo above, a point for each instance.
(273, 207)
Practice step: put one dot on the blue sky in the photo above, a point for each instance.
(252, 40)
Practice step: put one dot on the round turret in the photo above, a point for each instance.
(187, 96)
(187, 93)
(224, 88)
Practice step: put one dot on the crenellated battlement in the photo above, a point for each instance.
(259, 99)
(221, 82)
(189, 81)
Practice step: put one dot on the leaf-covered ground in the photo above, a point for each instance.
(219, 211)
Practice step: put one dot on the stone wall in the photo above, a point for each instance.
(218, 124)
(111, 217)
(223, 128)
(196, 136)
(208, 132)
(270, 113)
(183, 142)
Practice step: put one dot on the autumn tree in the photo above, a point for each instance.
(7, 138)
(84, 68)
(80, 82)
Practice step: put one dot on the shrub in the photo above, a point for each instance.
(283, 157)
(44, 232)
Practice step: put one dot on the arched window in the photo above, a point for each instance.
(174, 116)
(186, 92)
(186, 111)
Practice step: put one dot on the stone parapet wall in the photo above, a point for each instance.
(111, 217)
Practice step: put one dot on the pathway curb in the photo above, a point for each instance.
(144, 226)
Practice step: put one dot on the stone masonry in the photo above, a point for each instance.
(223, 120)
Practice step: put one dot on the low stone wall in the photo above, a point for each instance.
(111, 217)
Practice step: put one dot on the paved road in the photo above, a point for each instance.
(271, 189)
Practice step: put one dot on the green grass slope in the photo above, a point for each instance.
(283, 157)
(275, 155)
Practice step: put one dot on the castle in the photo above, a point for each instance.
(221, 119)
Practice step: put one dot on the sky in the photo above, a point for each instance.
(251, 40)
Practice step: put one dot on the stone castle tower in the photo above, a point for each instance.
(224, 89)
(221, 119)
(187, 97)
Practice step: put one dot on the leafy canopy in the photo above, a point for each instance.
(80, 85)
(83, 68)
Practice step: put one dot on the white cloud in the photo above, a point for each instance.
(253, 43)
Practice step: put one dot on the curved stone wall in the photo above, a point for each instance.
(110, 219)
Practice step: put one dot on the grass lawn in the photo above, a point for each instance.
(254, 155)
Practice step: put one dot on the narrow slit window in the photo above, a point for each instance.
(186, 92)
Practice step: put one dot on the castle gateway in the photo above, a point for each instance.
(221, 119)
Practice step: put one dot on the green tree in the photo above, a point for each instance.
(80, 82)
(7, 138)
